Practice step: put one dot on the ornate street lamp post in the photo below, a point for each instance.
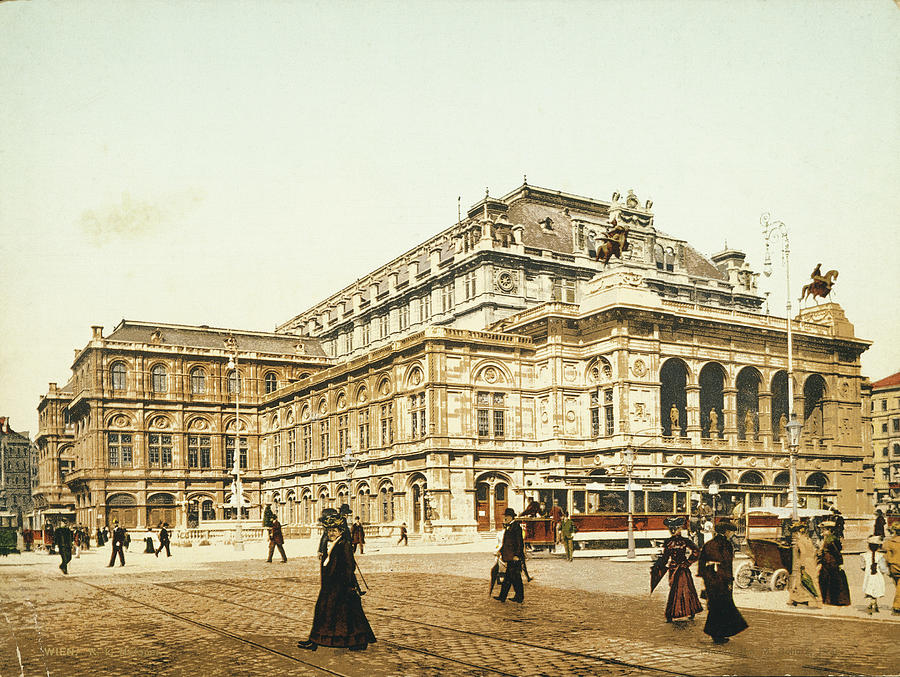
(237, 493)
(777, 229)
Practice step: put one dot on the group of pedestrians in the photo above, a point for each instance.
(562, 527)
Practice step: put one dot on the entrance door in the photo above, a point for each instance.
(482, 509)
(417, 507)
(500, 504)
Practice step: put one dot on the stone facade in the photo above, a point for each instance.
(481, 367)
(886, 440)
(17, 468)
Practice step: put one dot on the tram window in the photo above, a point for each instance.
(660, 501)
(681, 499)
(578, 501)
(612, 501)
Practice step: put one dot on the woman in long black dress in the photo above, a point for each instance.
(832, 579)
(715, 567)
(339, 620)
(677, 556)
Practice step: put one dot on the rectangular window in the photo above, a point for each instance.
(363, 429)
(343, 432)
(198, 451)
(447, 298)
(884, 404)
(292, 445)
(387, 424)
(365, 334)
(306, 441)
(563, 290)
(595, 414)
(276, 448)
(229, 452)
(119, 450)
(491, 414)
(159, 452)
(383, 326)
(469, 285)
(884, 427)
(324, 450)
(417, 415)
(896, 424)
(404, 317)
(579, 236)
(425, 308)
(608, 408)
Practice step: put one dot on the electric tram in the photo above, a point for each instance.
(9, 533)
(602, 507)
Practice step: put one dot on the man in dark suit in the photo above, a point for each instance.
(63, 538)
(358, 536)
(118, 545)
(512, 552)
(164, 540)
(276, 540)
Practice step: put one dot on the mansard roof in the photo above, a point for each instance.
(214, 338)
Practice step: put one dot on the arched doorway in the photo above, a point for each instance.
(712, 382)
(417, 497)
(122, 508)
(160, 509)
(673, 397)
(491, 500)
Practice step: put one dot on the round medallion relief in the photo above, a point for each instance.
(384, 388)
(639, 368)
(362, 396)
(570, 416)
(416, 377)
(490, 375)
(505, 282)
(120, 421)
(341, 401)
(198, 424)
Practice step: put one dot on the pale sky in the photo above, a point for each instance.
(232, 163)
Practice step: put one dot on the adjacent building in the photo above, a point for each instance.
(17, 468)
(886, 440)
(482, 366)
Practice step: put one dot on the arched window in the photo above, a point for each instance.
(714, 477)
(117, 376)
(207, 511)
(712, 382)
(159, 379)
(817, 479)
(673, 397)
(234, 382)
(751, 477)
(271, 382)
(748, 403)
(813, 410)
(779, 404)
(198, 381)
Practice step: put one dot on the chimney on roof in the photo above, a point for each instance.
(97, 330)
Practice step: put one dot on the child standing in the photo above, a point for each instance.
(874, 567)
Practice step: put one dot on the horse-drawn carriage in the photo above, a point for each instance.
(769, 546)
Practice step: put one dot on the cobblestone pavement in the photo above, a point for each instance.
(430, 611)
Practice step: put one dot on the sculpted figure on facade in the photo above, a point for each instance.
(713, 423)
(749, 425)
(673, 420)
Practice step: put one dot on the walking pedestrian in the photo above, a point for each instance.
(276, 540)
(512, 553)
(100, 541)
(832, 578)
(716, 567)
(163, 540)
(567, 531)
(404, 538)
(677, 556)
(880, 523)
(64, 539)
(118, 545)
(891, 549)
(556, 515)
(339, 619)
(76, 542)
(803, 585)
(838, 520)
(874, 567)
(358, 535)
(706, 531)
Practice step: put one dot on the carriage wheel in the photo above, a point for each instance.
(779, 580)
(744, 575)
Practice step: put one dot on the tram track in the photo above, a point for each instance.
(610, 662)
(617, 662)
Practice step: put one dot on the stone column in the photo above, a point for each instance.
(765, 419)
(693, 429)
